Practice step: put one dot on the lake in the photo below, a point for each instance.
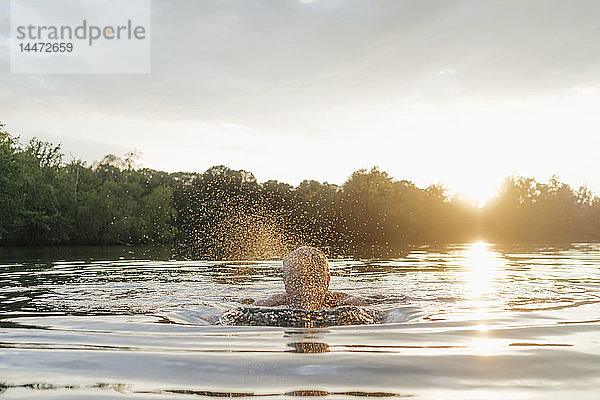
(466, 321)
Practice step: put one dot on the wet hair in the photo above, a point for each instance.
(306, 274)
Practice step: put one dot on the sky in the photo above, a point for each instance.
(462, 93)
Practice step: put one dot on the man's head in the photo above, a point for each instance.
(306, 277)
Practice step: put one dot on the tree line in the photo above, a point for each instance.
(224, 213)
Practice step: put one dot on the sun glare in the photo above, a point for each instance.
(482, 267)
(478, 194)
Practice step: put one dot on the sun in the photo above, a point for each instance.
(483, 196)
(477, 195)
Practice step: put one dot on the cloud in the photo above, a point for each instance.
(250, 59)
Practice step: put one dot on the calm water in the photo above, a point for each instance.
(471, 321)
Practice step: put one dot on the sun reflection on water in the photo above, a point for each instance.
(482, 268)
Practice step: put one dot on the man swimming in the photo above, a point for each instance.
(306, 279)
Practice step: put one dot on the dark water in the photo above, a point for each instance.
(471, 321)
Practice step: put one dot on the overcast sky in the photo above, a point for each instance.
(459, 92)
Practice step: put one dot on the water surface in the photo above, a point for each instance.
(471, 321)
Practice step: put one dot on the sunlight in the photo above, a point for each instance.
(482, 267)
(477, 193)
(483, 196)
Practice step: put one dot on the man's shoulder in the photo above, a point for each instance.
(275, 300)
(338, 296)
(336, 299)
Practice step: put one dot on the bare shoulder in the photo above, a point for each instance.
(275, 300)
(344, 299)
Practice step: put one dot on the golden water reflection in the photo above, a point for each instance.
(483, 268)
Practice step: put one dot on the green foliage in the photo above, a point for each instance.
(44, 201)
